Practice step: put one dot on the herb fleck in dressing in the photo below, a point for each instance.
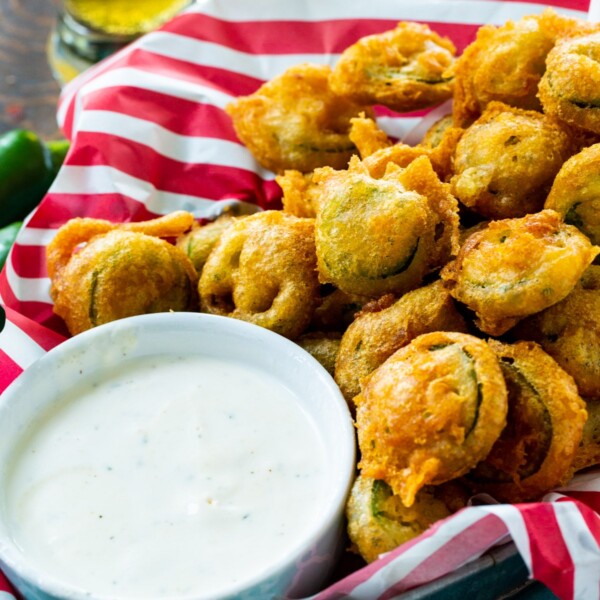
(175, 476)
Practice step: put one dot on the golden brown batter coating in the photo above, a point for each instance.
(536, 450)
(517, 267)
(263, 270)
(430, 412)
(570, 332)
(441, 155)
(506, 63)
(376, 334)
(336, 309)
(122, 270)
(367, 136)
(376, 236)
(435, 134)
(575, 193)
(295, 121)
(506, 161)
(569, 88)
(300, 193)
(403, 69)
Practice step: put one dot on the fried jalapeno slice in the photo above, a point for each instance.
(546, 416)
(517, 267)
(503, 64)
(569, 87)
(507, 63)
(375, 236)
(199, 242)
(263, 270)
(121, 271)
(570, 332)
(295, 121)
(403, 69)
(575, 193)
(378, 521)
(506, 161)
(377, 332)
(430, 412)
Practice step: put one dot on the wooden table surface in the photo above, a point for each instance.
(28, 91)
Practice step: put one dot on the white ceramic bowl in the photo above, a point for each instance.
(297, 573)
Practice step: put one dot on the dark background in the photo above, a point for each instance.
(28, 91)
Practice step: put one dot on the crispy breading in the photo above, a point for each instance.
(263, 270)
(536, 450)
(122, 270)
(403, 69)
(517, 267)
(507, 63)
(570, 332)
(506, 161)
(376, 236)
(378, 521)
(430, 412)
(575, 193)
(569, 88)
(376, 334)
(295, 121)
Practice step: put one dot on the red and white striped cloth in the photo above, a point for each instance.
(149, 136)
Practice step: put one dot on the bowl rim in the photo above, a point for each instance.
(333, 505)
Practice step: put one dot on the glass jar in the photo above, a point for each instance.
(90, 30)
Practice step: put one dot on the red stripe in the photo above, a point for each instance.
(582, 5)
(29, 261)
(184, 117)
(383, 111)
(40, 312)
(42, 336)
(551, 562)
(459, 549)
(5, 585)
(119, 98)
(67, 125)
(56, 209)
(9, 371)
(215, 182)
(591, 499)
(222, 80)
(296, 37)
(592, 520)
(226, 80)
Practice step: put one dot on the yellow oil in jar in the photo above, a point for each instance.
(123, 17)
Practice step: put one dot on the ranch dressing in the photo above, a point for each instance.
(176, 476)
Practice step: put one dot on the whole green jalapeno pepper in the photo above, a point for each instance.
(28, 166)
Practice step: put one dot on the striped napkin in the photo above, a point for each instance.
(149, 136)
